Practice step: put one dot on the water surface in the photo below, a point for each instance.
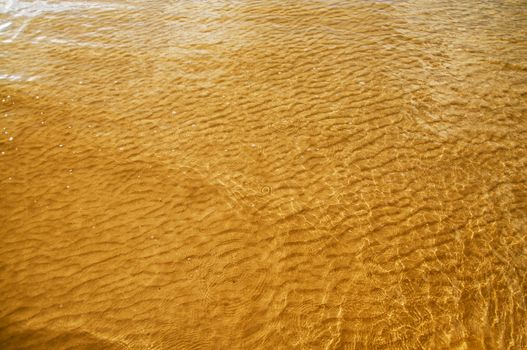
(263, 174)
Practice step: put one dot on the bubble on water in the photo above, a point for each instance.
(61, 145)
(253, 145)
(11, 138)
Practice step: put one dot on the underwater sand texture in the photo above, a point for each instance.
(263, 174)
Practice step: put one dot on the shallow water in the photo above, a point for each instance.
(263, 174)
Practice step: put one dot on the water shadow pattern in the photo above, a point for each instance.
(263, 174)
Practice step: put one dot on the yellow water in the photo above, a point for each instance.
(263, 174)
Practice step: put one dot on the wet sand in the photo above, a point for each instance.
(263, 174)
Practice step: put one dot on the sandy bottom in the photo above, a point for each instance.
(263, 174)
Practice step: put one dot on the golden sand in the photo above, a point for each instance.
(263, 174)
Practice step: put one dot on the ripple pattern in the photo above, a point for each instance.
(263, 174)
